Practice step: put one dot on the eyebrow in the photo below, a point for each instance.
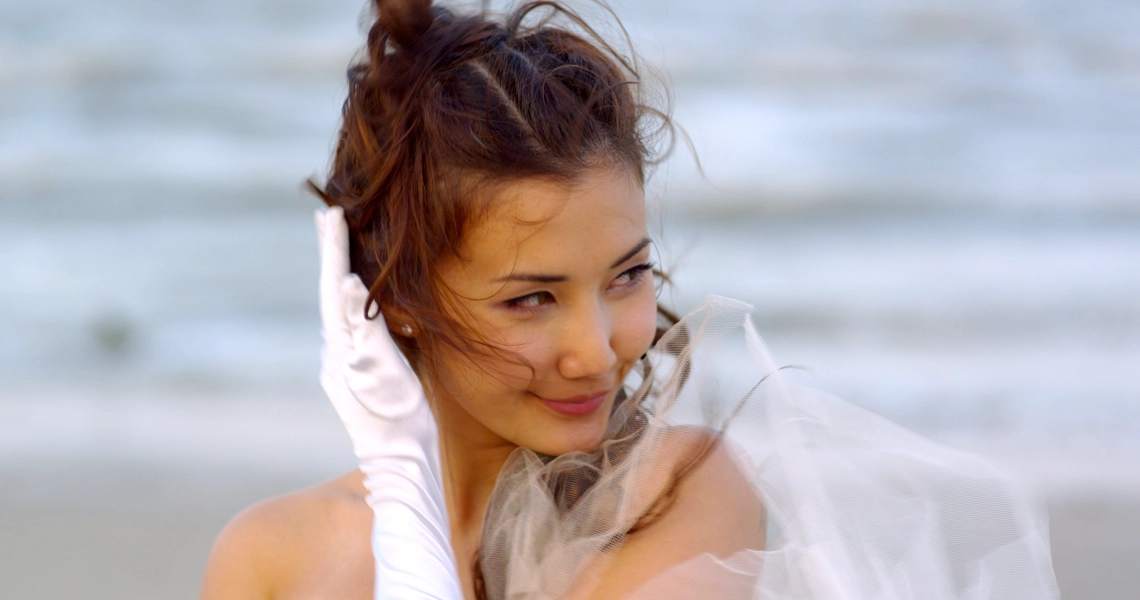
(633, 252)
(540, 278)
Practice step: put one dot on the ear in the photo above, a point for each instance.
(400, 321)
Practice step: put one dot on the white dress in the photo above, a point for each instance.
(858, 508)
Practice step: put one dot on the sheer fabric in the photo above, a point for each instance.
(858, 508)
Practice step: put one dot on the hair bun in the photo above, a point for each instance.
(405, 20)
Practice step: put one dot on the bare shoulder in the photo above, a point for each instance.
(274, 548)
(714, 491)
(714, 510)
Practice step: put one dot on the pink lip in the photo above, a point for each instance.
(578, 405)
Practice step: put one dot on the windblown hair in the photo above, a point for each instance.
(444, 107)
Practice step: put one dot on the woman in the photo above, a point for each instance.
(491, 177)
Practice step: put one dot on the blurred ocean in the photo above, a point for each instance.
(934, 206)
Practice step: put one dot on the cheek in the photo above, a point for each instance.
(484, 388)
(494, 375)
(636, 326)
(527, 354)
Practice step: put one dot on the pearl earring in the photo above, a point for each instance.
(407, 330)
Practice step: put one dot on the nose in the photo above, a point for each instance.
(586, 349)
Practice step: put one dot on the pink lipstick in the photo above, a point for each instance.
(576, 406)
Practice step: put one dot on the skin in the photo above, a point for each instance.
(558, 275)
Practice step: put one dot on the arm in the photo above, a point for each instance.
(382, 405)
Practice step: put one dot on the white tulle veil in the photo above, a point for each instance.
(858, 508)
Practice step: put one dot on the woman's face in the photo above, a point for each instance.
(559, 275)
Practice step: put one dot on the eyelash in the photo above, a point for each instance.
(635, 274)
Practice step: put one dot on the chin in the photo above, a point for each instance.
(561, 437)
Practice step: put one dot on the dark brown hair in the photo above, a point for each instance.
(444, 107)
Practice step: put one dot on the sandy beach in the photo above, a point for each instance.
(160, 552)
(109, 516)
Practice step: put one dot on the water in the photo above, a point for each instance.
(934, 206)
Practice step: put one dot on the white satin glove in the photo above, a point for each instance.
(382, 405)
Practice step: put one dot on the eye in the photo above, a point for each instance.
(530, 302)
(633, 275)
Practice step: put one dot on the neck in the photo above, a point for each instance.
(471, 457)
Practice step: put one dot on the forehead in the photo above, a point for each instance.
(541, 224)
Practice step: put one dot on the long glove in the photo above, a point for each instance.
(382, 405)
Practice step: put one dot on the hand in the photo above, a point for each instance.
(382, 405)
